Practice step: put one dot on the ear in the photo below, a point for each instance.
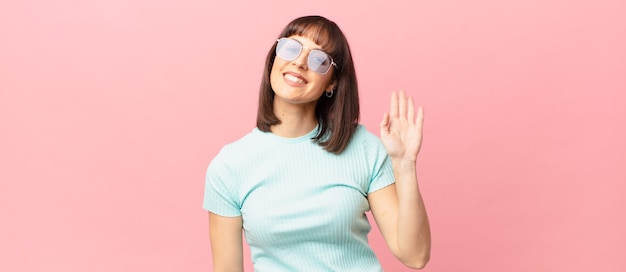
(331, 86)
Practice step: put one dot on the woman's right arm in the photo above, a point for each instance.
(226, 243)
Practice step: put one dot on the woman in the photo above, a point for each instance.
(300, 183)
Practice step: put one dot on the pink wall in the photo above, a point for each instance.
(110, 112)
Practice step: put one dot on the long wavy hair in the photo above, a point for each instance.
(338, 115)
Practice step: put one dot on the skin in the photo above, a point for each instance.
(398, 209)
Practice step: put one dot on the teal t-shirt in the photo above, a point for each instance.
(303, 208)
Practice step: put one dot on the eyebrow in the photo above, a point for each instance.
(317, 48)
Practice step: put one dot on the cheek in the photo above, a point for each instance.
(324, 81)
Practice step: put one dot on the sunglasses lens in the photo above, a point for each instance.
(319, 61)
(288, 49)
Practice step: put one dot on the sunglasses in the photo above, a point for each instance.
(318, 60)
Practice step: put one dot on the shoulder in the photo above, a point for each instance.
(363, 136)
(364, 143)
(235, 150)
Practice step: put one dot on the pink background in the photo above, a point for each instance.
(110, 112)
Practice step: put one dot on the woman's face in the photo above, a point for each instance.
(294, 83)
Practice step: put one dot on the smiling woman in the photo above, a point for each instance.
(296, 85)
(339, 109)
(301, 182)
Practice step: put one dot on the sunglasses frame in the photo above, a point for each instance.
(302, 47)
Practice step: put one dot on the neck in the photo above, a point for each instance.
(295, 120)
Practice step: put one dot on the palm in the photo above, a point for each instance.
(401, 128)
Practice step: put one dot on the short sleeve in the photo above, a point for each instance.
(220, 190)
(381, 174)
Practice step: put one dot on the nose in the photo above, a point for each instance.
(301, 60)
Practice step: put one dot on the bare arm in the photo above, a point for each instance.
(399, 209)
(226, 243)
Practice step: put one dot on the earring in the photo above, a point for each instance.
(330, 94)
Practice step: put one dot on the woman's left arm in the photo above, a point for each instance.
(399, 209)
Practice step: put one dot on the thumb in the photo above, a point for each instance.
(384, 124)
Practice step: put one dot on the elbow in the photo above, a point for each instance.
(417, 263)
(413, 256)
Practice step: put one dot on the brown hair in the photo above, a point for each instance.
(338, 115)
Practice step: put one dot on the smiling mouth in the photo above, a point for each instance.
(295, 79)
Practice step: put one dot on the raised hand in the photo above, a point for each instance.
(401, 129)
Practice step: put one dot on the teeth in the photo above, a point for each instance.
(294, 79)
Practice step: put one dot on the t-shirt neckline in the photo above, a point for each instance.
(298, 139)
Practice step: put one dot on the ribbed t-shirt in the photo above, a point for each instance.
(303, 208)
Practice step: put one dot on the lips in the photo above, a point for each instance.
(295, 78)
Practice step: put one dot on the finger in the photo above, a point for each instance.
(411, 110)
(393, 108)
(420, 118)
(384, 124)
(402, 104)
